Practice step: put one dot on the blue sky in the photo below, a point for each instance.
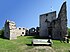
(25, 13)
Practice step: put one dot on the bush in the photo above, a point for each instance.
(1, 33)
(69, 31)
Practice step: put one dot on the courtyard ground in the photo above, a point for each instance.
(23, 44)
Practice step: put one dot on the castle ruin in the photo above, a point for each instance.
(11, 31)
(53, 27)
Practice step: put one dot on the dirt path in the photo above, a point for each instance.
(41, 49)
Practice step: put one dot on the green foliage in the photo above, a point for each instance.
(18, 45)
(69, 31)
(61, 47)
(1, 32)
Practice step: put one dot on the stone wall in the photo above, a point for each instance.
(21, 31)
(45, 20)
(63, 18)
(6, 30)
(56, 26)
(11, 31)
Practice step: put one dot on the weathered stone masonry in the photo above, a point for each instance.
(54, 27)
(11, 31)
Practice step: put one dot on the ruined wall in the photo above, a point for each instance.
(45, 20)
(60, 26)
(63, 18)
(56, 29)
(21, 31)
(32, 31)
(9, 31)
(6, 30)
(12, 27)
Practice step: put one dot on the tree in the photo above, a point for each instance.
(2, 32)
(69, 32)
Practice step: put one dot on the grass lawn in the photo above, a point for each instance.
(22, 44)
(18, 45)
(61, 47)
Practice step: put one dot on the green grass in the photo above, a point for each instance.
(21, 45)
(18, 45)
(61, 47)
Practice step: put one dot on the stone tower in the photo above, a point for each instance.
(45, 20)
(9, 31)
(55, 27)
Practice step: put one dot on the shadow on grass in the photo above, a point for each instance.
(1, 36)
(37, 45)
(38, 37)
(29, 44)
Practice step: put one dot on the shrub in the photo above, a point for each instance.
(69, 31)
(1, 33)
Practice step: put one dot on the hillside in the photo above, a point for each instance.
(23, 44)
